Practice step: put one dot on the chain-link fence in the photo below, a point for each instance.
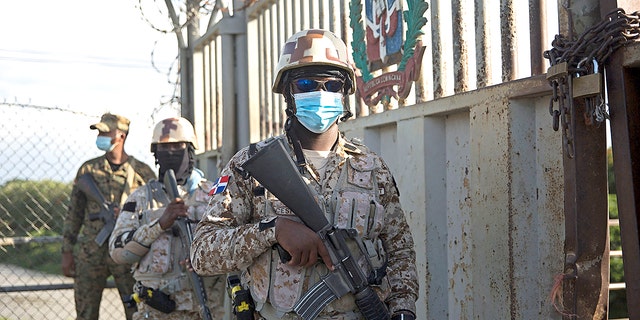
(42, 148)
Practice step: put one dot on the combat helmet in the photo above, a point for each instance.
(313, 47)
(173, 130)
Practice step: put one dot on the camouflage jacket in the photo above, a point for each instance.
(229, 238)
(112, 185)
(159, 267)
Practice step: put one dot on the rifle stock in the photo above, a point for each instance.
(274, 169)
(88, 186)
(183, 227)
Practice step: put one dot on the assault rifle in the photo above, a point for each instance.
(274, 169)
(183, 227)
(88, 186)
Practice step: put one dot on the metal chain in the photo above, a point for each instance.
(585, 56)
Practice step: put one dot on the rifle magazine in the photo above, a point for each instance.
(314, 301)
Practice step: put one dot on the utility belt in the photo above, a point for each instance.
(243, 306)
(154, 298)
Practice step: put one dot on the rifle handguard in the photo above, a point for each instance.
(371, 307)
(182, 229)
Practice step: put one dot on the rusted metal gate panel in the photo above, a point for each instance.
(480, 177)
(623, 84)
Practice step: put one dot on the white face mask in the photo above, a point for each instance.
(318, 110)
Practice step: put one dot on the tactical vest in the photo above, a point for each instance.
(160, 262)
(354, 203)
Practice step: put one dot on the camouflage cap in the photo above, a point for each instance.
(110, 122)
(311, 48)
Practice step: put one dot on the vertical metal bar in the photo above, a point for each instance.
(212, 99)
(229, 114)
(424, 84)
(286, 14)
(483, 45)
(322, 14)
(186, 61)
(242, 85)
(509, 40)
(206, 93)
(218, 90)
(304, 15)
(334, 15)
(281, 36)
(276, 45)
(438, 69)
(271, 51)
(343, 29)
(460, 47)
(624, 98)
(586, 213)
(586, 216)
(537, 22)
(264, 89)
(314, 14)
(295, 17)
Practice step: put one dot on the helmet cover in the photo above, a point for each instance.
(313, 47)
(174, 130)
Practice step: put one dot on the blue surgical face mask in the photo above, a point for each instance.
(104, 143)
(318, 110)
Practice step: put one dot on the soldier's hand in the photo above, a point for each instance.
(175, 209)
(68, 265)
(302, 243)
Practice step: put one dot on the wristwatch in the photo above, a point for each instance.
(403, 316)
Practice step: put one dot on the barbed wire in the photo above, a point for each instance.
(30, 105)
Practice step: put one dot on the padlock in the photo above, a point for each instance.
(587, 86)
(557, 71)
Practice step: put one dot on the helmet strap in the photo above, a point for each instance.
(301, 162)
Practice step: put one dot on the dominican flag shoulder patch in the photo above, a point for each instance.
(220, 185)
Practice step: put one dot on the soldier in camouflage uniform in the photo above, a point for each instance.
(116, 174)
(143, 234)
(352, 184)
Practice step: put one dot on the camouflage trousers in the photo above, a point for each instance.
(93, 267)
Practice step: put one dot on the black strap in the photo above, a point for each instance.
(297, 147)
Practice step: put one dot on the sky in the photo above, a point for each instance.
(88, 57)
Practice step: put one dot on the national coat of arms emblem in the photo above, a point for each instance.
(382, 34)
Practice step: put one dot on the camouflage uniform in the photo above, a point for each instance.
(93, 263)
(357, 191)
(159, 266)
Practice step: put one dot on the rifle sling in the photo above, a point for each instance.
(131, 175)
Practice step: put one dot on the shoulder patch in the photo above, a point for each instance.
(351, 147)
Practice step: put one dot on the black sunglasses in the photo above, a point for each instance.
(308, 85)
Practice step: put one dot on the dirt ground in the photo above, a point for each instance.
(50, 304)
